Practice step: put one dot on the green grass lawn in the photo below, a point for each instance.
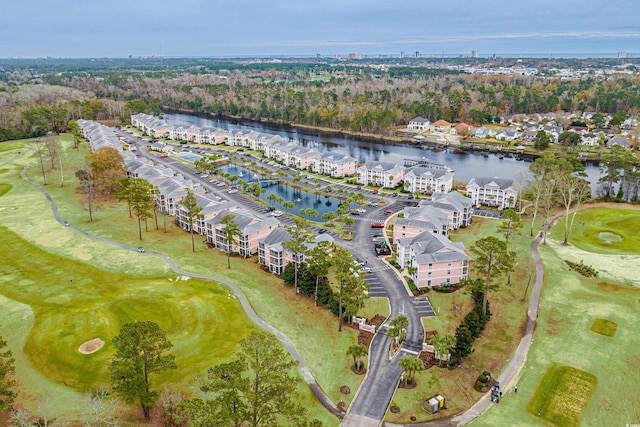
(562, 395)
(570, 304)
(606, 231)
(492, 349)
(112, 286)
(604, 327)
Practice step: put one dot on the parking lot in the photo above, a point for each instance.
(487, 213)
(375, 286)
(423, 307)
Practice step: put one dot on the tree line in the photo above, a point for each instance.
(352, 98)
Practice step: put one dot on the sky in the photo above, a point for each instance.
(215, 28)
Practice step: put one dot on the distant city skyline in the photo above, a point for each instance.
(69, 28)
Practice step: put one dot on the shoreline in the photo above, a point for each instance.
(483, 147)
(367, 137)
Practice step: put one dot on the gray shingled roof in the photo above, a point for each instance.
(432, 248)
(485, 181)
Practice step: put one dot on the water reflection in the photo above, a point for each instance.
(466, 165)
(301, 199)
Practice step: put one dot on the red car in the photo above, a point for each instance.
(377, 225)
(388, 211)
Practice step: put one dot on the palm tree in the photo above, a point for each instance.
(398, 329)
(289, 206)
(410, 365)
(357, 351)
(231, 233)
(311, 213)
(272, 198)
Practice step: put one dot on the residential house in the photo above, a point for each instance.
(590, 140)
(578, 129)
(429, 180)
(432, 260)
(495, 192)
(462, 129)
(381, 174)
(619, 141)
(605, 133)
(441, 126)
(507, 135)
(418, 124)
(482, 132)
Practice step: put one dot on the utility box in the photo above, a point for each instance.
(433, 404)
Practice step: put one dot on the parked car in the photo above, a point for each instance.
(375, 191)
(355, 213)
(388, 211)
(321, 231)
(270, 209)
(232, 191)
(141, 249)
(276, 213)
(377, 225)
(164, 156)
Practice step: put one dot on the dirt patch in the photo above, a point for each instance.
(345, 390)
(91, 346)
(358, 371)
(613, 287)
(404, 384)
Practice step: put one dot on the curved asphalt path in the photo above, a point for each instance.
(374, 395)
(302, 366)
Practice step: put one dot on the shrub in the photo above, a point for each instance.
(581, 268)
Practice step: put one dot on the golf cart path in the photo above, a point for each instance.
(510, 373)
(246, 305)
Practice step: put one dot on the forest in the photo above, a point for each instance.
(42, 96)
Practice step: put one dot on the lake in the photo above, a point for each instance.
(466, 166)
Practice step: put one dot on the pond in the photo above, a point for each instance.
(301, 198)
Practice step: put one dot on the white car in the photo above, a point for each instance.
(218, 198)
(232, 191)
(276, 213)
(197, 184)
(220, 184)
(204, 175)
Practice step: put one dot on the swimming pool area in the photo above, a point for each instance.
(189, 157)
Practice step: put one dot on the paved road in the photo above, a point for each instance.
(374, 395)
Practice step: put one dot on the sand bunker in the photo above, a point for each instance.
(609, 237)
(92, 346)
